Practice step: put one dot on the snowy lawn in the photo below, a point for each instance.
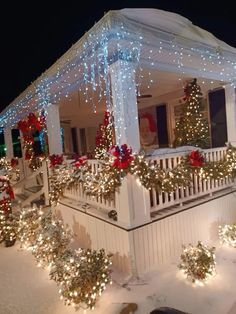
(26, 289)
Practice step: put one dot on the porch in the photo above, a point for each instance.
(136, 73)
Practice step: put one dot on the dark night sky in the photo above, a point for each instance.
(35, 35)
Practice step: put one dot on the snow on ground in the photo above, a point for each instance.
(26, 289)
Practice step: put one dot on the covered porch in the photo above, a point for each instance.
(134, 64)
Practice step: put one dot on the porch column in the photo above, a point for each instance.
(8, 143)
(54, 130)
(132, 200)
(124, 100)
(230, 104)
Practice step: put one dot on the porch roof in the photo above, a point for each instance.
(149, 37)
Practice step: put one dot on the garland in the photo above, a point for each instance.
(120, 161)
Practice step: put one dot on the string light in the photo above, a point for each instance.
(227, 234)
(108, 178)
(198, 262)
(28, 224)
(192, 128)
(82, 275)
(87, 65)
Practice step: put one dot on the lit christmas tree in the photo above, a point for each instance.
(192, 128)
(105, 136)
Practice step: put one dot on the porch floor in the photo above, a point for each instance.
(169, 211)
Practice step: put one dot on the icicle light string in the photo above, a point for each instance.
(94, 70)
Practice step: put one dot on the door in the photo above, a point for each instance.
(218, 118)
(162, 128)
(74, 140)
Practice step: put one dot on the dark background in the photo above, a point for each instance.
(35, 34)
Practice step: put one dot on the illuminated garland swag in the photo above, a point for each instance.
(120, 162)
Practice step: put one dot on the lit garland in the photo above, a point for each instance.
(101, 184)
(82, 276)
(108, 177)
(198, 262)
(227, 234)
(192, 129)
(60, 178)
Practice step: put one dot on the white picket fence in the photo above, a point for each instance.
(197, 187)
(160, 200)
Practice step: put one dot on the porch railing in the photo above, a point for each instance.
(78, 194)
(197, 188)
(159, 200)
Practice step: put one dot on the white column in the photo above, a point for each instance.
(230, 104)
(132, 200)
(53, 130)
(124, 100)
(132, 203)
(8, 143)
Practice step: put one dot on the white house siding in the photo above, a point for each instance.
(160, 242)
(91, 232)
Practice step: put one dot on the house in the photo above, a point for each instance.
(135, 64)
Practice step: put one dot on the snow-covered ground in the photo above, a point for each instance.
(26, 289)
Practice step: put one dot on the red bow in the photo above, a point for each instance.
(55, 160)
(123, 156)
(196, 159)
(81, 161)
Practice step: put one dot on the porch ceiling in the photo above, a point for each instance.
(166, 86)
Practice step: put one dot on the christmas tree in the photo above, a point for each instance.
(105, 136)
(192, 128)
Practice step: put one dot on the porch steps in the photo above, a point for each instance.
(27, 197)
(34, 189)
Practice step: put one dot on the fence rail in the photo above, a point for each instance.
(197, 188)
